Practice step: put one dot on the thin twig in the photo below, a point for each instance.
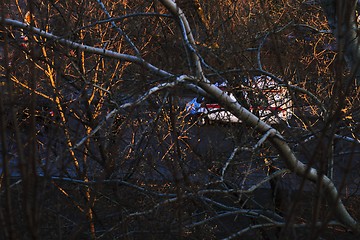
(270, 133)
(228, 162)
(128, 40)
(127, 105)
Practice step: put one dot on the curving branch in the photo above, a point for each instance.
(86, 48)
(276, 139)
(187, 36)
(245, 115)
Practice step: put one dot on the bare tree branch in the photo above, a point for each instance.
(86, 48)
(277, 140)
(342, 21)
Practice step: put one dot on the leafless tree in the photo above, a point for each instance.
(96, 141)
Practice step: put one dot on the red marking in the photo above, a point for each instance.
(213, 105)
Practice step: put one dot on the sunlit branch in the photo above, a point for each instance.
(245, 115)
(121, 18)
(87, 48)
(18, 82)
